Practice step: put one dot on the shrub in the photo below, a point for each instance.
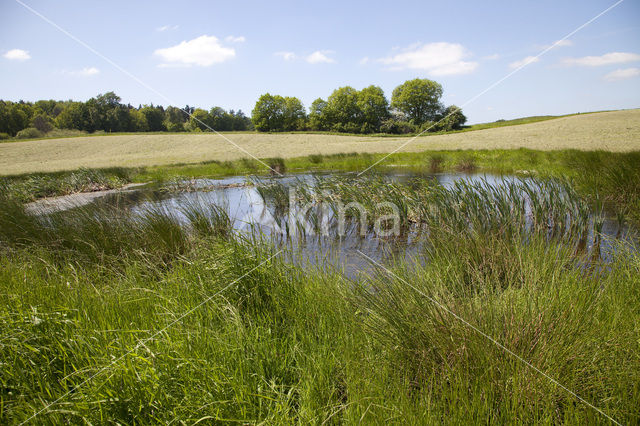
(398, 127)
(435, 163)
(466, 164)
(29, 133)
(175, 127)
(4, 136)
(316, 158)
(276, 165)
(65, 133)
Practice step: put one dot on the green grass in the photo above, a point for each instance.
(602, 176)
(148, 320)
(31, 187)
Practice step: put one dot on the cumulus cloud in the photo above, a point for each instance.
(436, 58)
(86, 72)
(17, 55)
(622, 74)
(287, 56)
(606, 59)
(492, 57)
(525, 61)
(364, 60)
(320, 57)
(233, 39)
(167, 28)
(202, 51)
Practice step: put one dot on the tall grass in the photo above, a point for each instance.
(159, 317)
(39, 185)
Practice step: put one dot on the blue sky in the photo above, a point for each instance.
(226, 54)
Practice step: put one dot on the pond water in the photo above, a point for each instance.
(251, 214)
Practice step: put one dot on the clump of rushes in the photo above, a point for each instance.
(156, 317)
(467, 164)
(316, 158)
(277, 166)
(510, 207)
(34, 186)
(109, 234)
(436, 163)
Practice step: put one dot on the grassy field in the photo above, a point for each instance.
(110, 318)
(617, 131)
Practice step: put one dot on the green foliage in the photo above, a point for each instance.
(14, 116)
(39, 185)
(274, 113)
(351, 111)
(419, 99)
(317, 115)
(316, 158)
(42, 122)
(295, 115)
(277, 165)
(395, 126)
(452, 119)
(29, 133)
(106, 113)
(108, 316)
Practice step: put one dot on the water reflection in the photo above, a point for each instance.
(251, 214)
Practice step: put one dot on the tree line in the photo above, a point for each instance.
(105, 112)
(415, 106)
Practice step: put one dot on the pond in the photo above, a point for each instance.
(273, 207)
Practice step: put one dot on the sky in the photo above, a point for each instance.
(211, 53)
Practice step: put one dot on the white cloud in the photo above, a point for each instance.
(364, 60)
(17, 55)
(203, 51)
(436, 58)
(320, 56)
(492, 57)
(622, 74)
(525, 61)
(606, 59)
(86, 72)
(287, 56)
(167, 28)
(233, 39)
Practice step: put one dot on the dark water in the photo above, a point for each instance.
(250, 214)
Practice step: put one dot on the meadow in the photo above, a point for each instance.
(617, 131)
(107, 316)
(509, 313)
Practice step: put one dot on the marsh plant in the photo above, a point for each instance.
(334, 206)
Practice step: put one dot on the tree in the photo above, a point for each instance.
(241, 121)
(295, 115)
(42, 123)
(342, 112)
(154, 116)
(74, 116)
(13, 117)
(268, 114)
(138, 121)
(317, 115)
(374, 108)
(175, 119)
(452, 118)
(199, 120)
(419, 99)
